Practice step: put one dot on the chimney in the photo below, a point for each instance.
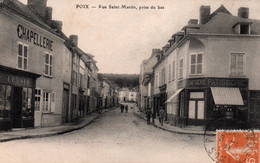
(57, 25)
(243, 12)
(74, 40)
(193, 21)
(49, 15)
(38, 6)
(204, 14)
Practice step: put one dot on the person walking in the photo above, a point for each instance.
(122, 108)
(126, 108)
(161, 115)
(148, 116)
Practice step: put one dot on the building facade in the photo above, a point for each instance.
(206, 77)
(45, 78)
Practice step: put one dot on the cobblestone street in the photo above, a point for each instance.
(114, 137)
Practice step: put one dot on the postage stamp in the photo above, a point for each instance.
(238, 146)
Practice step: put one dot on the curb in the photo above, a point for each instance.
(176, 132)
(53, 134)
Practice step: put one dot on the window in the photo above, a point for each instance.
(48, 65)
(237, 64)
(156, 81)
(181, 69)
(173, 70)
(22, 56)
(163, 76)
(46, 102)
(196, 64)
(244, 28)
(169, 73)
(5, 101)
(74, 78)
(37, 103)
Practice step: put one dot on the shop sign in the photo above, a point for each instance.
(33, 37)
(213, 82)
(15, 80)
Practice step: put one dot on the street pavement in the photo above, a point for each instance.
(111, 137)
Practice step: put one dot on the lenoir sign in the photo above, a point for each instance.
(15, 80)
(33, 37)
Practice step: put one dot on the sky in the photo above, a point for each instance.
(121, 38)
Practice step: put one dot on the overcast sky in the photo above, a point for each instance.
(121, 39)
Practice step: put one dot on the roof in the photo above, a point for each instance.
(220, 9)
(223, 23)
(26, 12)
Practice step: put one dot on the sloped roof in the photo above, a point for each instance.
(26, 12)
(223, 23)
(220, 9)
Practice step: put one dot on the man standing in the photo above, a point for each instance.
(126, 108)
(122, 108)
(148, 116)
(161, 115)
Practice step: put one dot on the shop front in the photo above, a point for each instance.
(213, 102)
(16, 98)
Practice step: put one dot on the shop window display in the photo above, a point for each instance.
(27, 103)
(5, 101)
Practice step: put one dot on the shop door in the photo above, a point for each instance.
(196, 112)
(66, 105)
(17, 107)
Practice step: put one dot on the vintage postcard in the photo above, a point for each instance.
(129, 81)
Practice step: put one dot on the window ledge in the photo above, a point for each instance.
(236, 75)
(195, 75)
(47, 76)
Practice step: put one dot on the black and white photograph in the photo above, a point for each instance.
(129, 81)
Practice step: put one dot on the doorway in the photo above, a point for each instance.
(66, 105)
(17, 107)
(196, 112)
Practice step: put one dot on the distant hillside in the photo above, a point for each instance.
(122, 80)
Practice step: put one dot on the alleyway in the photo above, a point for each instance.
(114, 137)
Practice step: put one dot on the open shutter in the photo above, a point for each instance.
(53, 98)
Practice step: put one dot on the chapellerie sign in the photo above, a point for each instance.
(33, 37)
(213, 82)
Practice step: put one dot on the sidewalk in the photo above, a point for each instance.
(49, 131)
(167, 127)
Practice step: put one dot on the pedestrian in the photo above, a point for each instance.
(161, 115)
(126, 108)
(153, 117)
(148, 116)
(122, 108)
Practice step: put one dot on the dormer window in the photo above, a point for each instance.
(244, 29)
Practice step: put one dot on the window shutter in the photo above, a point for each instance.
(53, 98)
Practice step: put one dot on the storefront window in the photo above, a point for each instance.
(27, 103)
(5, 101)
(2, 101)
(8, 101)
(37, 100)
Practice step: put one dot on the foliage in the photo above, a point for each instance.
(122, 80)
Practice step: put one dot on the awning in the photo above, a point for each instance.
(227, 96)
(174, 95)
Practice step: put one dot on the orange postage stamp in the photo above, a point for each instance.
(238, 146)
